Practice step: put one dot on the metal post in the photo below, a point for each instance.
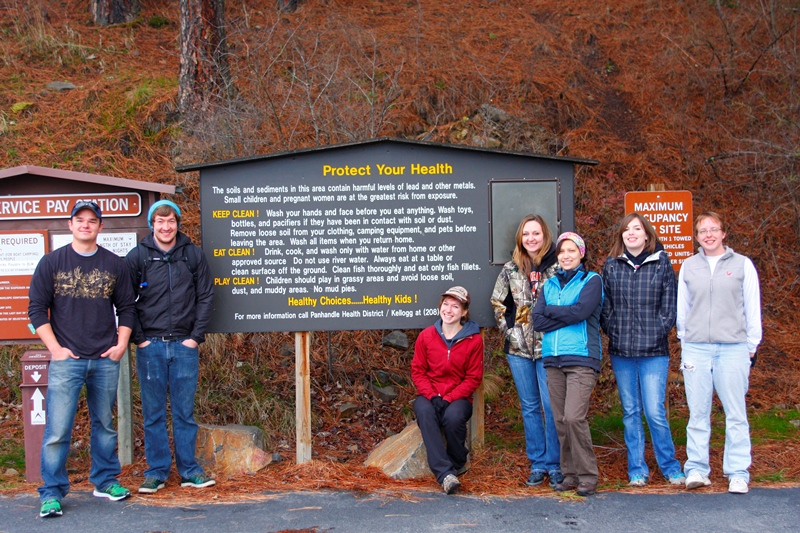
(125, 411)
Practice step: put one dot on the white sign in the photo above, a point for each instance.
(20, 253)
(119, 243)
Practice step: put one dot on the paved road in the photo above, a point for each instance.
(760, 511)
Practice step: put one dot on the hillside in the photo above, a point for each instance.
(697, 95)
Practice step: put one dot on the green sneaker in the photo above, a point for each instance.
(113, 492)
(50, 508)
(199, 481)
(151, 485)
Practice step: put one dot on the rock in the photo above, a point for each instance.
(287, 350)
(396, 339)
(402, 456)
(486, 142)
(795, 423)
(494, 114)
(347, 410)
(382, 377)
(387, 393)
(276, 457)
(60, 86)
(10, 472)
(232, 449)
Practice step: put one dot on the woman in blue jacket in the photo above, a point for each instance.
(638, 313)
(568, 312)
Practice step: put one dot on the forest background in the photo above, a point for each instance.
(698, 95)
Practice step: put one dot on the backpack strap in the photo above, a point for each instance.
(191, 260)
(144, 261)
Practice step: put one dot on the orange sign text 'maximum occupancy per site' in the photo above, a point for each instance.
(670, 212)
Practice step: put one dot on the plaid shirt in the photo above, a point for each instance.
(640, 306)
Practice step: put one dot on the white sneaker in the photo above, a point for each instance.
(638, 481)
(695, 480)
(738, 485)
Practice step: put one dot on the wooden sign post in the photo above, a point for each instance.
(302, 357)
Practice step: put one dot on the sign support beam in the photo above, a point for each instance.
(302, 366)
(125, 411)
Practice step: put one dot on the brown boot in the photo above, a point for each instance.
(569, 483)
(586, 488)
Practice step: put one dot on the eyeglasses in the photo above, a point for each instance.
(713, 231)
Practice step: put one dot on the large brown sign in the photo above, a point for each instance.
(368, 236)
(60, 205)
(670, 212)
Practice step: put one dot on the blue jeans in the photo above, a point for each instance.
(642, 386)
(726, 369)
(66, 379)
(168, 367)
(541, 437)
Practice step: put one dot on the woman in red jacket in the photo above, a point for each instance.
(447, 368)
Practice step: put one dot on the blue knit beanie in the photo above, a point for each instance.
(158, 204)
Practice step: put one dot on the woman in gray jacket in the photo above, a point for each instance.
(513, 298)
(638, 313)
(719, 325)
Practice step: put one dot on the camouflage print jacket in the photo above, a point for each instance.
(512, 301)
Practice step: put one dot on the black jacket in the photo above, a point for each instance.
(175, 302)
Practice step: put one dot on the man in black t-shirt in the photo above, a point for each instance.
(73, 296)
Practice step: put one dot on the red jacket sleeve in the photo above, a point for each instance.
(420, 369)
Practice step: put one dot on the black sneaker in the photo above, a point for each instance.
(536, 478)
(151, 485)
(199, 481)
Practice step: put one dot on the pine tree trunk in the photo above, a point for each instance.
(204, 71)
(107, 12)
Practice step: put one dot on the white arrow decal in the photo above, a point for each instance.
(36, 377)
(37, 414)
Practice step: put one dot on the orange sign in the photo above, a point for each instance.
(125, 204)
(670, 212)
(20, 252)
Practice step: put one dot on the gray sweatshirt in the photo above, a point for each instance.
(723, 307)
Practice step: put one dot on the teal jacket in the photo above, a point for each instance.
(569, 315)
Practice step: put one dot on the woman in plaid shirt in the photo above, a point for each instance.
(638, 313)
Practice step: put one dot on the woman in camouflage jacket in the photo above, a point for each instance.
(513, 298)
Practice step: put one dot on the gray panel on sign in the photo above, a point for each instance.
(513, 199)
